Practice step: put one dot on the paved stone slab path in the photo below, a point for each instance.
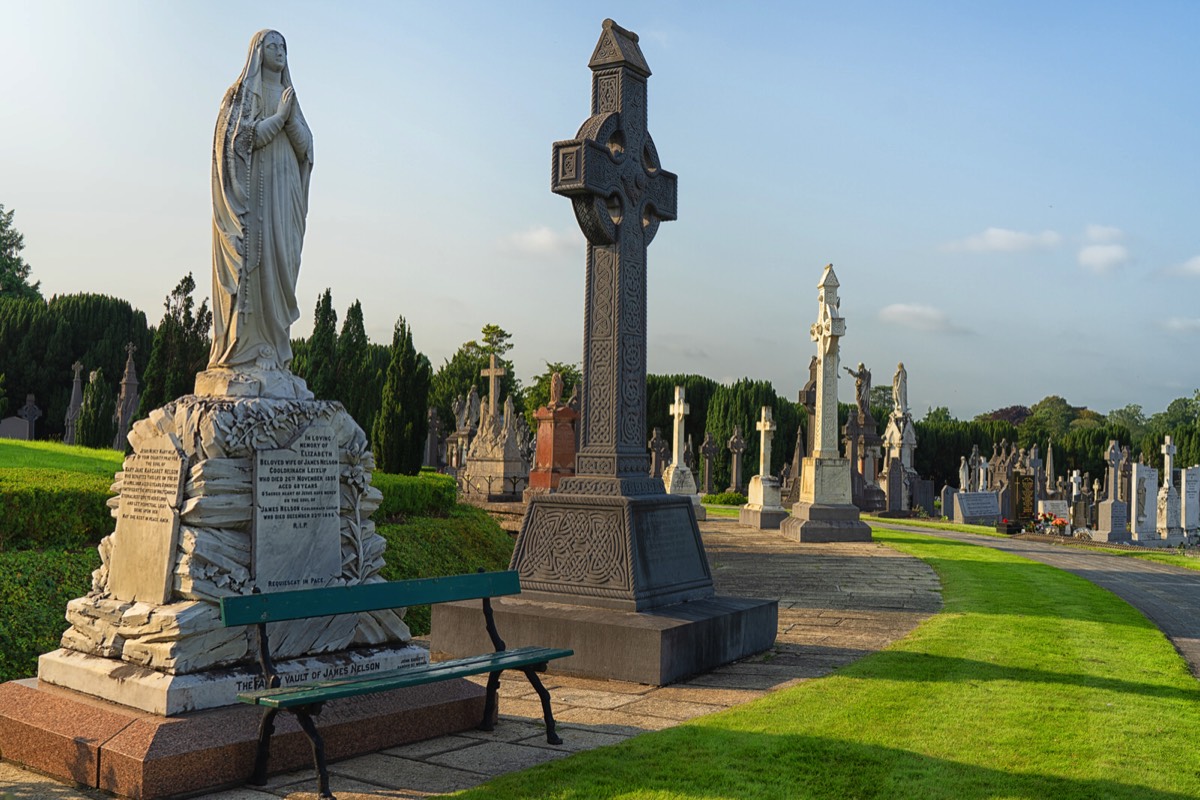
(1168, 596)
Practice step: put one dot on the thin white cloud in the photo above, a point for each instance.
(1190, 268)
(543, 242)
(1003, 240)
(1103, 258)
(920, 318)
(1103, 234)
(1182, 325)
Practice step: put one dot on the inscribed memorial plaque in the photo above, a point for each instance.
(297, 532)
(976, 508)
(143, 555)
(1024, 498)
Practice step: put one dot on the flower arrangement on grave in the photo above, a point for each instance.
(1060, 525)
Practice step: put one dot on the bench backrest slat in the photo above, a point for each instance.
(304, 603)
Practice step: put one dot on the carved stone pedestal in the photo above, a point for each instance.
(825, 513)
(763, 511)
(622, 581)
(555, 456)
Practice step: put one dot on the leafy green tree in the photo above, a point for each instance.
(537, 394)
(96, 426)
(1014, 415)
(939, 415)
(1131, 418)
(14, 272)
(1050, 417)
(398, 436)
(1179, 413)
(318, 362)
(881, 397)
(461, 371)
(941, 445)
(180, 350)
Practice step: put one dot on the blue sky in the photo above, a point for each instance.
(1008, 191)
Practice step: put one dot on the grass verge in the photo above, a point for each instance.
(1032, 683)
(54, 455)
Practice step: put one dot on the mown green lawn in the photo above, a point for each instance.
(53, 455)
(1031, 683)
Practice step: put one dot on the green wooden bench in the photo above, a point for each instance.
(306, 700)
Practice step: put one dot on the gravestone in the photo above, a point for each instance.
(611, 544)
(678, 478)
(922, 495)
(1170, 528)
(75, 406)
(23, 425)
(737, 446)
(708, 450)
(496, 469)
(660, 453)
(432, 457)
(1061, 509)
(825, 512)
(1143, 512)
(947, 498)
(1024, 498)
(1189, 501)
(976, 508)
(127, 400)
(763, 510)
(1112, 515)
(555, 456)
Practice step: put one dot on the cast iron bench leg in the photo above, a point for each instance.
(318, 748)
(266, 727)
(489, 703)
(544, 696)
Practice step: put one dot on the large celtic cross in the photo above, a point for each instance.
(611, 172)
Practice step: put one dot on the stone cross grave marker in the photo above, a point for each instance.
(708, 449)
(766, 429)
(493, 373)
(737, 446)
(611, 173)
(678, 410)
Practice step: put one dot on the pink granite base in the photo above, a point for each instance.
(131, 753)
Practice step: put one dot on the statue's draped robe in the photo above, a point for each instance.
(260, 177)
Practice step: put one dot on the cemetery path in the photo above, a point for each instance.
(1169, 596)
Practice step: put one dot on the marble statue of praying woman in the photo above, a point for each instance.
(262, 160)
(900, 390)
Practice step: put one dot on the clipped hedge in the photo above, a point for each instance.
(724, 499)
(428, 547)
(53, 508)
(34, 590)
(423, 495)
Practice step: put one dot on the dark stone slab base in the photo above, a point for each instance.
(652, 647)
(131, 753)
(821, 522)
(761, 518)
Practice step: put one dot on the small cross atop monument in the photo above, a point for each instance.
(678, 410)
(766, 429)
(1168, 451)
(77, 368)
(493, 373)
(1113, 459)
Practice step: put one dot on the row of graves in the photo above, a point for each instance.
(23, 426)
(1017, 490)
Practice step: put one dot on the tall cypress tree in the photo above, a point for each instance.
(398, 436)
(180, 350)
(318, 363)
(356, 387)
(96, 426)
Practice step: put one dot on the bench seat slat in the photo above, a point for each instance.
(306, 603)
(321, 691)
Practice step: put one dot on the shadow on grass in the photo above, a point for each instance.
(707, 763)
(898, 665)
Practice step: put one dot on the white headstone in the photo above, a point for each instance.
(1190, 500)
(1143, 502)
